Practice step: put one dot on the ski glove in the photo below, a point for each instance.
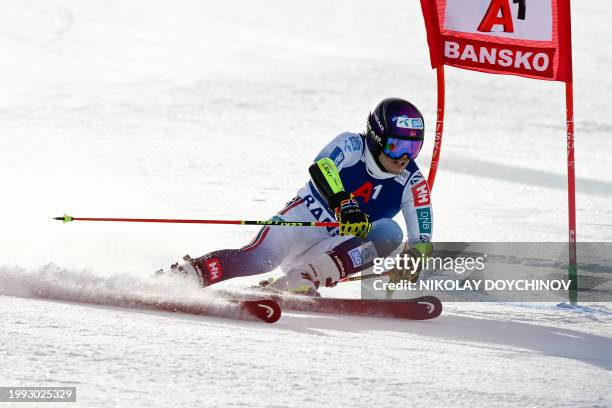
(414, 258)
(352, 220)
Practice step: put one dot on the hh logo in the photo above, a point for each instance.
(420, 194)
(499, 13)
(214, 270)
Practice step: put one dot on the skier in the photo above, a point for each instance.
(360, 180)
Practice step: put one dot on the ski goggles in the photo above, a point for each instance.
(397, 148)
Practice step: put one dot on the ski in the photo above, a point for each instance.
(421, 308)
(254, 309)
(266, 310)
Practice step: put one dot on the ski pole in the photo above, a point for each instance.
(68, 218)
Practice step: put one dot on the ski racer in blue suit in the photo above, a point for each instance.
(360, 180)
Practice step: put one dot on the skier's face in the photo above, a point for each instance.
(394, 166)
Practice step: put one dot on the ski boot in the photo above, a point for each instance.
(306, 279)
(287, 285)
(187, 270)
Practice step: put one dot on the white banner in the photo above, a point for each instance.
(529, 19)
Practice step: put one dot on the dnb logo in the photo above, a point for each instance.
(420, 194)
(213, 266)
(424, 217)
(408, 123)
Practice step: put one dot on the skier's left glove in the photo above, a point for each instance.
(352, 220)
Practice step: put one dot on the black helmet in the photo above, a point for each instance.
(395, 127)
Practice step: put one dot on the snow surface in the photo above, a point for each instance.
(197, 109)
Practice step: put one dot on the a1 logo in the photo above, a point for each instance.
(499, 13)
(368, 191)
(517, 19)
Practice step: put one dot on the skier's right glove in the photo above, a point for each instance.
(352, 220)
(418, 253)
(409, 273)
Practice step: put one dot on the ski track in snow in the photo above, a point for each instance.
(143, 357)
(214, 110)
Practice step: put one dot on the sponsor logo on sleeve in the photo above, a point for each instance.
(352, 144)
(424, 217)
(424, 238)
(355, 142)
(415, 178)
(337, 156)
(402, 178)
(420, 194)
